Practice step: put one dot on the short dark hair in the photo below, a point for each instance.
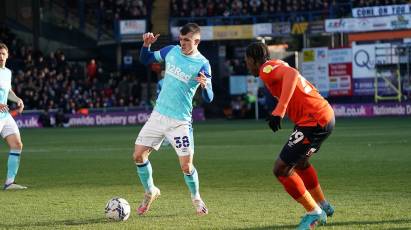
(3, 46)
(190, 27)
(258, 51)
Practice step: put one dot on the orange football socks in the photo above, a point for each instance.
(310, 178)
(294, 185)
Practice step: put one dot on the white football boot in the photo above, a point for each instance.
(148, 200)
(201, 208)
(13, 186)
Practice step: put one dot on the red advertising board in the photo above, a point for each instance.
(340, 76)
(340, 72)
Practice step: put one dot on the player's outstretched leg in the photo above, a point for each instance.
(193, 185)
(145, 172)
(12, 169)
(310, 179)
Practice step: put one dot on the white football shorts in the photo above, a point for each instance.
(8, 126)
(178, 133)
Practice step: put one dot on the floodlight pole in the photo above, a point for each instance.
(256, 107)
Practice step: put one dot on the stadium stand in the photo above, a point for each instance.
(252, 11)
(49, 81)
(363, 3)
(111, 11)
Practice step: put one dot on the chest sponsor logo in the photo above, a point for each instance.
(177, 72)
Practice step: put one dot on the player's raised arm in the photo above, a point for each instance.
(147, 56)
(149, 38)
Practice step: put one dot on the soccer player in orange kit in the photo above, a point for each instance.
(314, 121)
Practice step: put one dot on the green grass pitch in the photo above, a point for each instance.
(364, 169)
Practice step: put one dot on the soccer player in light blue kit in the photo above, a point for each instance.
(8, 127)
(186, 70)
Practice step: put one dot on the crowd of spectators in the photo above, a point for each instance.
(260, 8)
(110, 11)
(104, 13)
(206, 12)
(368, 3)
(50, 82)
(65, 86)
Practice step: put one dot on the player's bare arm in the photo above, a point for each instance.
(13, 97)
(149, 38)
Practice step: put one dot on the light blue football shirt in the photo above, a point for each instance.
(5, 86)
(179, 85)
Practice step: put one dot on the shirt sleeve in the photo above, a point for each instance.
(207, 93)
(148, 57)
(290, 79)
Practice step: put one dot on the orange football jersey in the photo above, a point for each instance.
(296, 96)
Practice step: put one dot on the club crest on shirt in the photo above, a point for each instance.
(268, 69)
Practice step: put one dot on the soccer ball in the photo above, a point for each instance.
(117, 209)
